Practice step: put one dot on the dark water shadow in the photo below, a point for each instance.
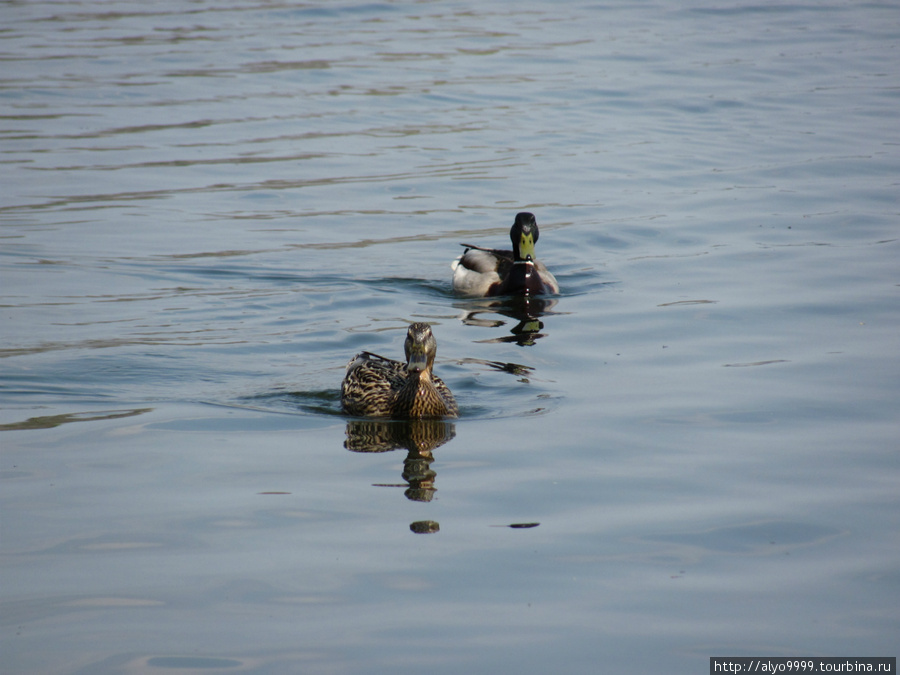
(313, 402)
(424, 287)
(51, 421)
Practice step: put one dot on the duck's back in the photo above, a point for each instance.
(371, 385)
(476, 270)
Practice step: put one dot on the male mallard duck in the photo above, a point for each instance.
(481, 272)
(378, 387)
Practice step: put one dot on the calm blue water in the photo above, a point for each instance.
(208, 208)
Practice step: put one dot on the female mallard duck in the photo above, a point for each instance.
(378, 387)
(481, 272)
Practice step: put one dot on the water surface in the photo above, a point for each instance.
(209, 208)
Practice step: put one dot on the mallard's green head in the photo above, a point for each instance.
(420, 348)
(524, 235)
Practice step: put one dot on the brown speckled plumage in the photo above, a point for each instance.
(378, 387)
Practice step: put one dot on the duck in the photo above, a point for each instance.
(375, 386)
(484, 272)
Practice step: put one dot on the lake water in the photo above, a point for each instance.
(209, 207)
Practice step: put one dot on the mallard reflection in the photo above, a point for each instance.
(418, 437)
(526, 310)
(523, 373)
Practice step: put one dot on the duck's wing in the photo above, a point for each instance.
(373, 368)
(372, 356)
(478, 269)
(551, 285)
(370, 384)
(499, 254)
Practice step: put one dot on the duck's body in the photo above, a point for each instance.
(378, 387)
(483, 272)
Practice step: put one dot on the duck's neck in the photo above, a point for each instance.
(419, 398)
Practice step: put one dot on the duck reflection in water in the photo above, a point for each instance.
(418, 437)
(527, 310)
